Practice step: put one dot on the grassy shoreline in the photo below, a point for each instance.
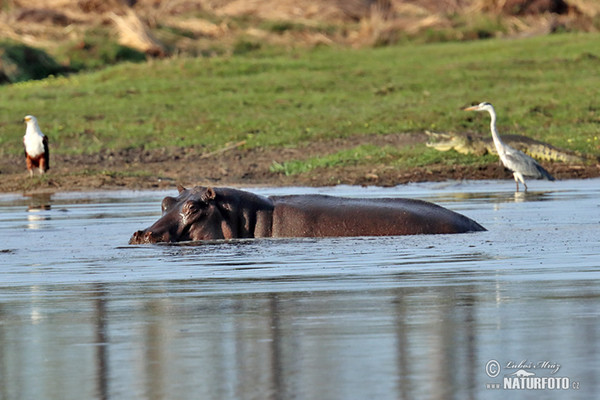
(545, 87)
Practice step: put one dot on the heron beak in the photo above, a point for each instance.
(472, 108)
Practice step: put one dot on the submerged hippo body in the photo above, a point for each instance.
(202, 213)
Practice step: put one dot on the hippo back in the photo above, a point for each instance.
(319, 216)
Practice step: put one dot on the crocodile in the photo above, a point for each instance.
(466, 143)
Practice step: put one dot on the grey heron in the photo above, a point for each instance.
(518, 162)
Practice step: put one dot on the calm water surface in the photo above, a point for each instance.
(84, 315)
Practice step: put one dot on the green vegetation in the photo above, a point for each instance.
(544, 87)
(20, 63)
(404, 157)
(97, 51)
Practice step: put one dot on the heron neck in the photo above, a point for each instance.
(497, 141)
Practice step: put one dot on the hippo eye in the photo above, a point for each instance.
(189, 212)
(167, 203)
(190, 207)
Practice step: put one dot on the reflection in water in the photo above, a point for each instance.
(83, 315)
(496, 198)
(426, 343)
(101, 340)
(38, 203)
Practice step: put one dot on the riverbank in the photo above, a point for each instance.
(234, 166)
(320, 117)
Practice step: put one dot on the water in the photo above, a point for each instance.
(84, 315)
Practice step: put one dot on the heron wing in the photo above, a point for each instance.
(517, 161)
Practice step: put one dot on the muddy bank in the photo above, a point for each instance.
(161, 168)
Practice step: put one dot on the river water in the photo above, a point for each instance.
(84, 315)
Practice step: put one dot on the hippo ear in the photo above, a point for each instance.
(180, 188)
(209, 194)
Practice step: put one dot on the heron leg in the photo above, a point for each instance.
(519, 177)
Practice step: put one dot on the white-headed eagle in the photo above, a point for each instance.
(37, 154)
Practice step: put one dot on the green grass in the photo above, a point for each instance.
(354, 156)
(545, 87)
(96, 52)
(404, 157)
(20, 63)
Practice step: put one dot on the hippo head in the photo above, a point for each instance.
(196, 214)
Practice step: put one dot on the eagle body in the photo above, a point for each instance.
(37, 154)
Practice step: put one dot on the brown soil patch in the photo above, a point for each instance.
(137, 169)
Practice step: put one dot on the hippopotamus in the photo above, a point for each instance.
(207, 213)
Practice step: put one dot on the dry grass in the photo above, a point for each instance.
(588, 8)
(134, 33)
(355, 22)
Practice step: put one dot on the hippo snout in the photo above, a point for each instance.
(144, 237)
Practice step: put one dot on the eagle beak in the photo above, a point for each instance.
(472, 108)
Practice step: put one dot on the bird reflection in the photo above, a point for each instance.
(38, 204)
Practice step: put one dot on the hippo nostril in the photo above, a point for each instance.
(136, 238)
(149, 237)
